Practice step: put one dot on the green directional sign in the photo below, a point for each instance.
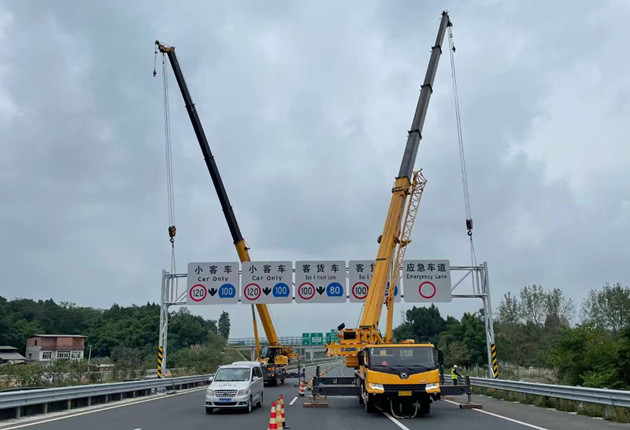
(331, 337)
(317, 338)
(306, 339)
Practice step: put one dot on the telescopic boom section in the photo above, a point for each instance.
(239, 241)
(391, 232)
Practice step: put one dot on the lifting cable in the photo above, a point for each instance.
(469, 221)
(169, 160)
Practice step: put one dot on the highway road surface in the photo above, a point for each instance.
(185, 410)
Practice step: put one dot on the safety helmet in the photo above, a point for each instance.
(454, 366)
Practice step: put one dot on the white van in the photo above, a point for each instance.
(236, 385)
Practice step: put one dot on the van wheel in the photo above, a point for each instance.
(249, 404)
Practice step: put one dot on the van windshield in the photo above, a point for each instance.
(232, 374)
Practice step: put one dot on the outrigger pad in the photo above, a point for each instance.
(316, 402)
(470, 406)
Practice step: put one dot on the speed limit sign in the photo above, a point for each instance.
(197, 292)
(320, 281)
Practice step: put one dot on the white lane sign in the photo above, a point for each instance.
(427, 281)
(320, 281)
(212, 283)
(359, 276)
(267, 282)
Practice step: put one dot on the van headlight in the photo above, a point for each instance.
(243, 392)
(210, 392)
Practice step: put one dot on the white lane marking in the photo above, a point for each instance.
(395, 421)
(504, 418)
(513, 420)
(293, 401)
(100, 410)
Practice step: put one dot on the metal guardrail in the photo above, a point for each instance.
(22, 398)
(601, 396)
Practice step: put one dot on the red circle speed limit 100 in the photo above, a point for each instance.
(252, 291)
(198, 292)
(360, 290)
(306, 291)
(427, 290)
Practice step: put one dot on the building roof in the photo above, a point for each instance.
(11, 356)
(58, 335)
(7, 347)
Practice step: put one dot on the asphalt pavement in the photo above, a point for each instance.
(186, 410)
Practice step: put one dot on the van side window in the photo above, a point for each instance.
(258, 372)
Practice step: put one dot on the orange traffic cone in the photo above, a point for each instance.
(301, 389)
(272, 417)
(283, 420)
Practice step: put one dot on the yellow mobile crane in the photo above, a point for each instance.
(275, 356)
(401, 377)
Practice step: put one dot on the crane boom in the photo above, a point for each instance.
(367, 332)
(241, 248)
(401, 376)
(391, 232)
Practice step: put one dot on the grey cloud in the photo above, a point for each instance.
(306, 109)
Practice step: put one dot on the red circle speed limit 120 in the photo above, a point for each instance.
(429, 290)
(306, 290)
(360, 290)
(198, 292)
(252, 291)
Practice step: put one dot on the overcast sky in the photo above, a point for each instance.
(307, 106)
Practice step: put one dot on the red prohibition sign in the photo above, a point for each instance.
(195, 287)
(354, 288)
(300, 291)
(246, 289)
(429, 295)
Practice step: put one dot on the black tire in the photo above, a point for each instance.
(250, 405)
(425, 406)
(368, 405)
(209, 411)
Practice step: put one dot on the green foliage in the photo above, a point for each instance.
(585, 355)
(202, 359)
(224, 325)
(608, 308)
(127, 335)
(29, 375)
(528, 325)
(464, 342)
(421, 324)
